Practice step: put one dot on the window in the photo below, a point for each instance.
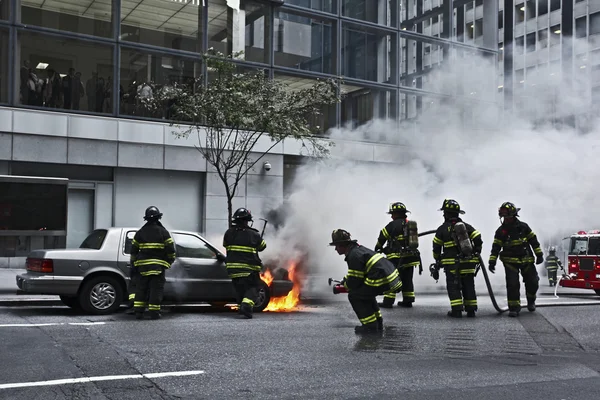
(128, 240)
(95, 240)
(78, 77)
(92, 17)
(368, 53)
(530, 42)
(594, 23)
(555, 35)
(542, 7)
(578, 246)
(501, 19)
(312, 52)
(554, 5)
(321, 5)
(361, 104)
(235, 32)
(581, 27)
(479, 28)
(4, 13)
(188, 246)
(520, 13)
(140, 69)
(369, 10)
(519, 45)
(543, 38)
(3, 66)
(171, 23)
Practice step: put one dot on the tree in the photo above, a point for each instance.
(236, 109)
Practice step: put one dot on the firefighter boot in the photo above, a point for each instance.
(388, 302)
(139, 314)
(513, 313)
(406, 304)
(380, 324)
(471, 314)
(154, 314)
(455, 314)
(367, 328)
(245, 311)
(531, 305)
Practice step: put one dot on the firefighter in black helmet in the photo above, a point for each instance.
(404, 258)
(552, 264)
(243, 243)
(152, 252)
(459, 258)
(370, 274)
(516, 240)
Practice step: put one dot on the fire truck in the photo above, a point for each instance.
(583, 261)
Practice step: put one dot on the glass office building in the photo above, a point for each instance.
(73, 73)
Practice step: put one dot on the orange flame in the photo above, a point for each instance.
(285, 303)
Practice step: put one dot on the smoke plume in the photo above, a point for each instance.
(463, 148)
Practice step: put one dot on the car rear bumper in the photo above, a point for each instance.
(579, 284)
(280, 288)
(49, 284)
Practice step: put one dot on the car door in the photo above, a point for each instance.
(208, 279)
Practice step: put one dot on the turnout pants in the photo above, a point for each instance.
(134, 278)
(552, 276)
(408, 287)
(149, 292)
(513, 286)
(461, 291)
(364, 303)
(246, 289)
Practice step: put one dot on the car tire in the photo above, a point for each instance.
(71, 302)
(263, 298)
(597, 291)
(101, 295)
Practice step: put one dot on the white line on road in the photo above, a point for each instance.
(97, 379)
(50, 324)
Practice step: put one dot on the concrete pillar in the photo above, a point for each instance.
(490, 24)
(508, 54)
(236, 30)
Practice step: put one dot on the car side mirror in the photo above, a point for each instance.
(220, 257)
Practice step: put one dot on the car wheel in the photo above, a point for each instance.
(101, 295)
(263, 298)
(72, 302)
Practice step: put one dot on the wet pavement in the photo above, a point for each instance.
(309, 354)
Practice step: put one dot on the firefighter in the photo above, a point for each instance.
(134, 277)
(398, 251)
(370, 274)
(552, 264)
(459, 256)
(514, 240)
(152, 252)
(243, 264)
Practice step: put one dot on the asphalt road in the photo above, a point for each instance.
(310, 354)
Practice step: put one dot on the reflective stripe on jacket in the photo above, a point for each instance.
(447, 252)
(371, 269)
(243, 245)
(152, 249)
(513, 243)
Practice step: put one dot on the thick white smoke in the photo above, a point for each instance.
(481, 162)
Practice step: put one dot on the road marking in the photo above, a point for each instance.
(50, 324)
(97, 379)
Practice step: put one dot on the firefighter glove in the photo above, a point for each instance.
(539, 259)
(492, 266)
(420, 269)
(434, 271)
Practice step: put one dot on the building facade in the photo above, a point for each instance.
(72, 75)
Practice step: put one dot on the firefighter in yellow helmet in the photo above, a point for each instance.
(370, 275)
(399, 251)
(514, 241)
(456, 248)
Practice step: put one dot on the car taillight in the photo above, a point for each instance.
(40, 265)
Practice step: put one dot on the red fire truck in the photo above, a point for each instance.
(583, 261)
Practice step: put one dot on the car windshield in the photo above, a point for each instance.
(579, 246)
(94, 240)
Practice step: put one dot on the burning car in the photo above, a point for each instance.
(94, 277)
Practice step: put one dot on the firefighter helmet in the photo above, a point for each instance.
(339, 236)
(451, 206)
(508, 209)
(397, 208)
(552, 250)
(242, 214)
(152, 213)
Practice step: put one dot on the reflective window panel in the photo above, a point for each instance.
(320, 5)
(382, 12)
(369, 54)
(362, 104)
(64, 73)
(3, 66)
